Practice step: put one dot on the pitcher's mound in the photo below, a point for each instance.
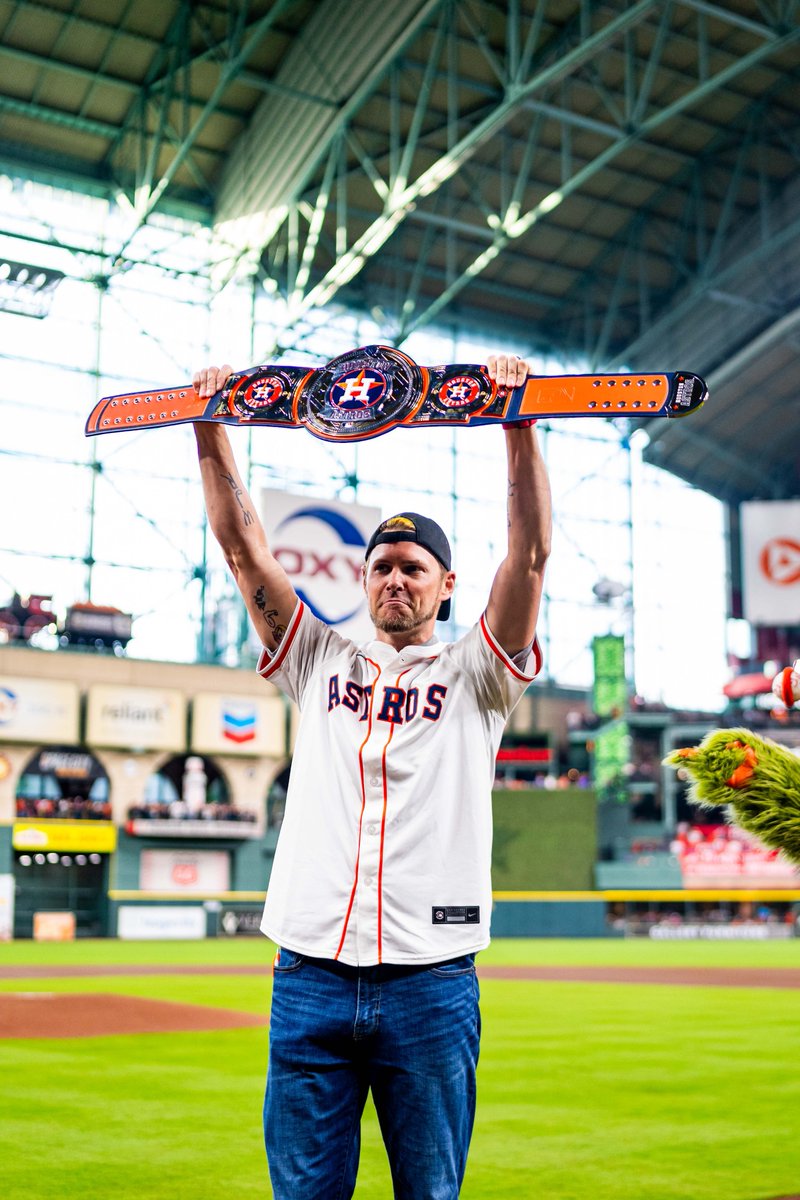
(95, 1014)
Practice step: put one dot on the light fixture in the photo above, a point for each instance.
(27, 289)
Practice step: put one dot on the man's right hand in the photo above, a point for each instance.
(209, 380)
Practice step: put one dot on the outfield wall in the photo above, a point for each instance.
(661, 913)
(544, 840)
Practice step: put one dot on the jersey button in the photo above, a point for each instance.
(372, 828)
(368, 881)
(374, 781)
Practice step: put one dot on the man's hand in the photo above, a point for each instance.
(510, 371)
(507, 370)
(209, 380)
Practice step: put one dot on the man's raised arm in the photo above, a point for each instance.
(265, 586)
(516, 593)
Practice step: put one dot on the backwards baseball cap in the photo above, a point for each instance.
(412, 527)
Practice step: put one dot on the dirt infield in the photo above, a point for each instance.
(98, 1014)
(95, 1014)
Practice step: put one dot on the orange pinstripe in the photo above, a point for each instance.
(363, 804)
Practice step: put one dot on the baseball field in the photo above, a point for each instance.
(610, 1070)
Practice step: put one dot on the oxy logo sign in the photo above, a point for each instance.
(321, 547)
(8, 705)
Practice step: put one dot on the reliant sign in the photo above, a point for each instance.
(34, 711)
(136, 718)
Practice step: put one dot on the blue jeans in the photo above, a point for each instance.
(410, 1034)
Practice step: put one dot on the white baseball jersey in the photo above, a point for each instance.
(384, 854)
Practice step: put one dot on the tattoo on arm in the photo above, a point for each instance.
(237, 491)
(269, 614)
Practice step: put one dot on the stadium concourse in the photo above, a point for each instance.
(604, 188)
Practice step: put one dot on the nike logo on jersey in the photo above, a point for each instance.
(395, 705)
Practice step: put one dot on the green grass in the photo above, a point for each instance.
(627, 1093)
(634, 952)
(586, 1091)
(214, 952)
(255, 951)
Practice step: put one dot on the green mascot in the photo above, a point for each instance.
(758, 779)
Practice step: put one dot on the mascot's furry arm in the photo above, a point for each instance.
(756, 777)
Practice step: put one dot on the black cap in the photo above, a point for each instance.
(412, 527)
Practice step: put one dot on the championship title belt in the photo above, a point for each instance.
(366, 392)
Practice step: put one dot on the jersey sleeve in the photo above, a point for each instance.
(307, 643)
(499, 680)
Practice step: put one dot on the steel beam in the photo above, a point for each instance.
(251, 42)
(403, 198)
(647, 127)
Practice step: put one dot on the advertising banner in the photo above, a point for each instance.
(133, 718)
(137, 922)
(239, 922)
(723, 856)
(238, 725)
(32, 710)
(320, 544)
(6, 907)
(185, 829)
(771, 562)
(192, 872)
(610, 689)
(54, 926)
(612, 753)
(65, 762)
(82, 837)
(720, 933)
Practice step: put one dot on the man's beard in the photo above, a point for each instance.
(403, 621)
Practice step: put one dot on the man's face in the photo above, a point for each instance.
(405, 585)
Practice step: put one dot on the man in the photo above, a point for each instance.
(380, 893)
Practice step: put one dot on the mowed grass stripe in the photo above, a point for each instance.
(258, 952)
(248, 951)
(242, 993)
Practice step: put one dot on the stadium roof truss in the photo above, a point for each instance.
(609, 182)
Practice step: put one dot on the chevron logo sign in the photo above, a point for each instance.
(239, 721)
